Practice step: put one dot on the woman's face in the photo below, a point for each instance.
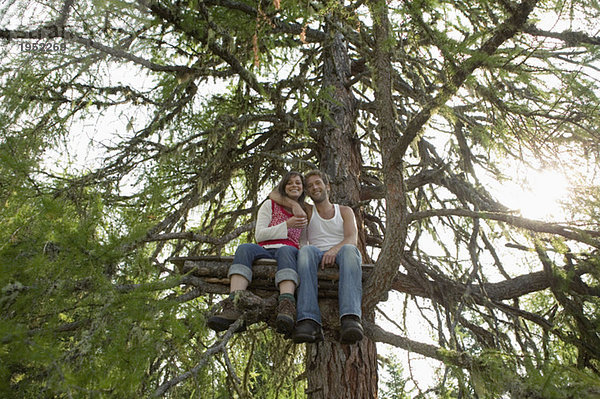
(293, 187)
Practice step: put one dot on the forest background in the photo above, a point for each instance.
(136, 131)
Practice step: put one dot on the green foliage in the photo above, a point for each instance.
(268, 365)
(67, 328)
(394, 385)
(73, 325)
(555, 381)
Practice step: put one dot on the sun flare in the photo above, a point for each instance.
(539, 195)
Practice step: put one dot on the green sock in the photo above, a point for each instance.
(288, 296)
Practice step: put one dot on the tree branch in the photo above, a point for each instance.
(571, 38)
(572, 233)
(503, 32)
(217, 347)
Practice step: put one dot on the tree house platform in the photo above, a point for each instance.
(212, 271)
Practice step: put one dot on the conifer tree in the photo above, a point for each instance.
(135, 131)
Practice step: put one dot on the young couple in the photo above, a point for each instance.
(301, 239)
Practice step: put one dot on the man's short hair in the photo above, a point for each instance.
(316, 172)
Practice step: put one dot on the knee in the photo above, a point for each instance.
(308, 251)
(244, 248)
(350, 250)
(349, 255)
(305, 256)
(286, 258)
(287, 250)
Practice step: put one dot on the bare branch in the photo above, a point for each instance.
(503, 32)
(572, 233)
(217, 347)
(571, 38)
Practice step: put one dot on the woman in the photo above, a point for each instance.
(277, 232)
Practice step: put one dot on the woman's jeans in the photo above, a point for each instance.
(349, 287)
(246, 254)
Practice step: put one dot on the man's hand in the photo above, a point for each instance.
(296, 222)
(329, 257)
(298, 211)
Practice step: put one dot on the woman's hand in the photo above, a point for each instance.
(296, 222)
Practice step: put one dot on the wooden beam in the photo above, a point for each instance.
(213, 270)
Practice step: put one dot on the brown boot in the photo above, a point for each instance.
(226, 317)
(286, 314)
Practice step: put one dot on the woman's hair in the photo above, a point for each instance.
(284, 182)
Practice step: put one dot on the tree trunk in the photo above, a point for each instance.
(338, 146)
(392, 251)
(341, 371)
(336, 371)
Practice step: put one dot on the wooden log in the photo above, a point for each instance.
(213, 270)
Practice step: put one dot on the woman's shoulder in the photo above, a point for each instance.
(266, 205)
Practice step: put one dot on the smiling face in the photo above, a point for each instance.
(316, 189)
(294, 188)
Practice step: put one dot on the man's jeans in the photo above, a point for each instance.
(349, 287)
(246, 254)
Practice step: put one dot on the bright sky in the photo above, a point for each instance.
(537, 195)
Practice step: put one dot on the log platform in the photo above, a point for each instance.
(212, 271)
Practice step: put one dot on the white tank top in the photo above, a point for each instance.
(325, 233)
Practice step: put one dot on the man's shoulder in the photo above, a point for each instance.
(345, 210)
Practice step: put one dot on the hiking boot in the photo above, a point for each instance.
(351, 330)
(226, 317)
(286, 314)
(308, 331)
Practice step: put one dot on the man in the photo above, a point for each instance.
(332, 235)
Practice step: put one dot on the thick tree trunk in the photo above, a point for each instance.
(338, 146)
(392, 250)
(336, 371)
(342, 371)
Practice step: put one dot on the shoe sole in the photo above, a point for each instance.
(308, 339)
(351, 336)
(284, 324)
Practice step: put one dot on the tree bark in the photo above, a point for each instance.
(341, 371)
(336, 371)
(392, 251)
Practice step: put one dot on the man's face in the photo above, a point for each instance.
(316, 189)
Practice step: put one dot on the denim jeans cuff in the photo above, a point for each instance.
(284, 275)
(315, 319)
(357, 314)
(242, 270)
